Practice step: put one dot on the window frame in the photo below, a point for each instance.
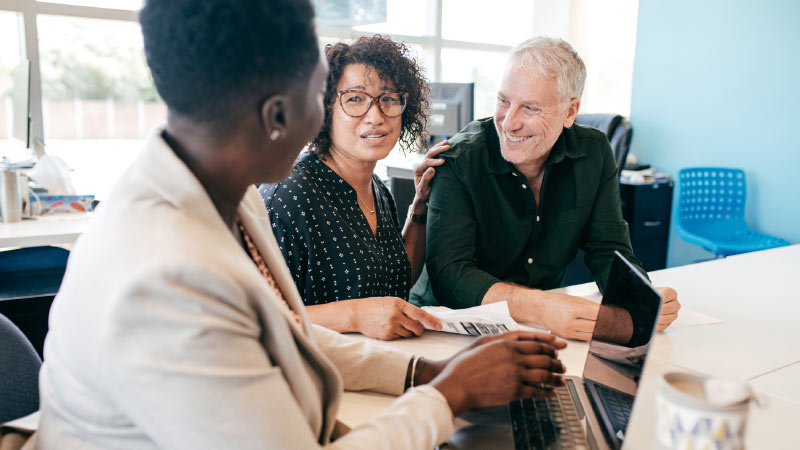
(558, 23)
(29, 40)
(29, 11)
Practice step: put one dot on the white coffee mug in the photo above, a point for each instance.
(697, 412)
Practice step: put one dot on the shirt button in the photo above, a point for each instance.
(514, 173)
(530, 260)
(537, 218)
(524, 187)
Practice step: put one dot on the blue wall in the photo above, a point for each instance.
(717, 82)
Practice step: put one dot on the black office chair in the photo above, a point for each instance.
(616, 128)
(19, 373)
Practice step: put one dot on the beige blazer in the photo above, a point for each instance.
(165, 335)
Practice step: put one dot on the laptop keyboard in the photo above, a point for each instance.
(617, 405)
(547, 423)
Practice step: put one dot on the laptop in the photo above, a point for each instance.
(592, 411)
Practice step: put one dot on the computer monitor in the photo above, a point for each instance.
(20, 99)
(452, 108)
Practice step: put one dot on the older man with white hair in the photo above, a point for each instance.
(521, 192)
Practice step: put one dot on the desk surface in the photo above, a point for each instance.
(783, 383)
(754, 295)
(44, 230)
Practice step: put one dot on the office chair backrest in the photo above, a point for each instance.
(32, 258)
(616, 128)
(19, 373)
(621, 142)
(711, 194)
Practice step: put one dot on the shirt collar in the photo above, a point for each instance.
(497, 165)
(566, 146)
(326, 173)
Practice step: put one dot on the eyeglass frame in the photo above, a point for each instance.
(373, 100)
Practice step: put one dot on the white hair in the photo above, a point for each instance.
(555, 59)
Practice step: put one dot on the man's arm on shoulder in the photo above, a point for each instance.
(456, 280)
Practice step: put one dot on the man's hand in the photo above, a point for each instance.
(390, 318)
(669, 309)
(564, 315)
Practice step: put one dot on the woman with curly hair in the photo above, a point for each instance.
(336, 223)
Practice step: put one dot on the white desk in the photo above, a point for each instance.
(44, 230)
(754, 294)
(771, 426)
(783, 383)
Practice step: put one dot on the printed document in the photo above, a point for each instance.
(482, 320)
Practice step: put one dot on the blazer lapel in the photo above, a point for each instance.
(257, 223)
(253, 215)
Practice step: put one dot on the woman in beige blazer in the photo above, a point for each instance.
(178, 326)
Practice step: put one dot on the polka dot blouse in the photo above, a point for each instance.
(326, 240)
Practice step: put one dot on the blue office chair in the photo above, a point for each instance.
(711, 212)
(19, 373)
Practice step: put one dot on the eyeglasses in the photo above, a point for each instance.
(357, 103)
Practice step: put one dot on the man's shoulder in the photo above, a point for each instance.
(470, 145)
(588, 139)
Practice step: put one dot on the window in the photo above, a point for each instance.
(485, 69)
(349, 13)
(426, 57)
(95, 82)
(132, 5)
(504, 22)
(9, 58)
(604, 34)
(98, 100)
(405, 17)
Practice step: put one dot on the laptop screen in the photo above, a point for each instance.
(625, 325)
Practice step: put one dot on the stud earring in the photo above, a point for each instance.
(274, 135)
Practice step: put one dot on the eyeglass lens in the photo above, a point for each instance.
(357, 103)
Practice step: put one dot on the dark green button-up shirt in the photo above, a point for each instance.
(484, 225)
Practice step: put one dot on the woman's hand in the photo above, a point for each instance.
(423, 174)
(498, 369)
(390, 318)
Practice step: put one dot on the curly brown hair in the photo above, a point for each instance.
(393, 62)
